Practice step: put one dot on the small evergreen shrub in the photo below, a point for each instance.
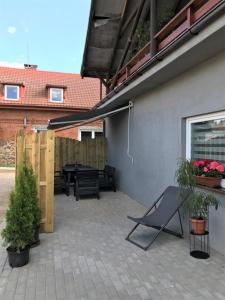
(34, 197)
(19, 228)
(24, 214)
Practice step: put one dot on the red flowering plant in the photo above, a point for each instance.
(208, 168)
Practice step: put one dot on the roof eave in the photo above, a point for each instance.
(212, 16)
(82, 72)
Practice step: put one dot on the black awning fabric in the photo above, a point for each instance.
(78, 118)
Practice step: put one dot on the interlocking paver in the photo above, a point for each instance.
(87, 258)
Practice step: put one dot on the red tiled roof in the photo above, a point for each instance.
(80, 93)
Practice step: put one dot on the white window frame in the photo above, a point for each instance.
(197, 119)
(5, 92)
(86, 128)
(62, 95)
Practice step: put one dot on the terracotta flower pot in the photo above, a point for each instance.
(198, 226)
(208, 181)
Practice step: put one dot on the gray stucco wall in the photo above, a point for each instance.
(157, 136)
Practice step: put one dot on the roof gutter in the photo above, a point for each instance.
(193, 30)
(46, 108)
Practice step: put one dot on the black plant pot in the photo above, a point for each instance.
(17, 260)
(36, 240)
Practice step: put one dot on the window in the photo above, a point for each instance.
(56, 95)
(86, 135)
(88, 132)
(12, 92)
(98, 134)
(205, 138)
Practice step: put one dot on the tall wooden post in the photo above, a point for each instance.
(49, 190)
(39, 149)
(153, 26)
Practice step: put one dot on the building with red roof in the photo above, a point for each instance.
(30, 97)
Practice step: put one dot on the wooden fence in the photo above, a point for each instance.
(47, 154)
(91, 152)
(38, 149)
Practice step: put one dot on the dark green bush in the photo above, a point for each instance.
(23, 214)
(19, 217)
(34, 197)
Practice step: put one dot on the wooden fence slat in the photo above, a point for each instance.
(60, 154)
(20, 147)
(35, 157)
(57, 154)
(48, 225)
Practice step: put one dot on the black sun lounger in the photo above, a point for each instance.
(162, 211)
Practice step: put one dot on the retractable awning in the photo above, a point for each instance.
(82, 118)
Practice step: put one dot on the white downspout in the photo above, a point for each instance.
(128, 133)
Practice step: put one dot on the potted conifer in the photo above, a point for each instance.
(19, 221)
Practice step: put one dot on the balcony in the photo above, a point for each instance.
(181, 23)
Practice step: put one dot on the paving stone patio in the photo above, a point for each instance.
(87, 258)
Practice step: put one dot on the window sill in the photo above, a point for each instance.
(215, 190)
(52, 101)
(8, 99)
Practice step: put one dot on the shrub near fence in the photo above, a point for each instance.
(91, 152)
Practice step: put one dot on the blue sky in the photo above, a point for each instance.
(49, 33)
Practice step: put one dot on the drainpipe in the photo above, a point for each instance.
(100, 89)
(104, 128)
(25, 122)
(128, 133)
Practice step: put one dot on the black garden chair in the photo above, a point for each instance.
(59, 182)
(86, 183)
(107, 178)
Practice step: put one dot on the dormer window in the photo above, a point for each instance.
(56, 95)
(12, 92)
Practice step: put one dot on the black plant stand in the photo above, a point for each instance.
(199, 245)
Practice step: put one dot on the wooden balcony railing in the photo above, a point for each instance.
(177, 26)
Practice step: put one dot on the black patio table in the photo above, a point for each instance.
(70, 170)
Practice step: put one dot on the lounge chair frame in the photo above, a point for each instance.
(162, 228)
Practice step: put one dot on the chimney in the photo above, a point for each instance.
(30, 67)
